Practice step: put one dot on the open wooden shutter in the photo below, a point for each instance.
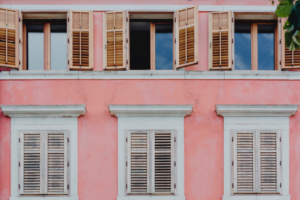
(269, 159)
(290, 59)
(138, 162)
(81, 40)
(243, 161)
(220, 40)
(186, 23)
(31, 153)
(114, 40)
(9, 42)
(56, 162)
(163, 162)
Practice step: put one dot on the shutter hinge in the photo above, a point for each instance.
(232, 139)
(280, 185)
(210, 45)
(68, 140)
(126, 40)
(19, 140)
(232, 19)
(19, 41)
(175, 19)
(68, 19)
(280, 62)
(19, 186)
(280, 19)
(126, 19)
(232, 185)
(126, 186)
(126, 139)
(280, 163)
(174, 185)
(175, 40)
(232, 163)
(232, 62)
(174, 139)
(126, 163)
(19, 62)
(19, 19)
(68, 187)
(104, 46)
(175, 62)
(280, 41)
(232, 40)
(127, 62)
(280, 139)
(68, 164)
(68, 61)
(175, 163)
(68, 40)
(19, 164)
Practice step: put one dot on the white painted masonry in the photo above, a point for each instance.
(235, 117)
(36, 118)
(151, 119)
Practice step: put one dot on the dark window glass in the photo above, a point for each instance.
(266, 48)
(164, 46)
(35, 46)
(242, 47)
(140, 45)
(58, 47)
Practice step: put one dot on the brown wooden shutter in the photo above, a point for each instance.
(186, 37)
(243, 161)
(138, 162)
(9, 42)
(31, 152)
(220, 40)
(81, 40)
(56, 162)
(163, 162)
(269, 159)
(114, 40)
(289, 59)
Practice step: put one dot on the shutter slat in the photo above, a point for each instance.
(187, 34)
(81, 45)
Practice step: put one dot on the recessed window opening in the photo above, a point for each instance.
(151, 41)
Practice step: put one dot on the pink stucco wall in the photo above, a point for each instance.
(97, 136)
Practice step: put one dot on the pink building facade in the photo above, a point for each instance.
(102, 129)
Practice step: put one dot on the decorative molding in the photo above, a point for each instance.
(150, 110)
(256, 110)
(129, 7)
(43, 111)
(159, 74)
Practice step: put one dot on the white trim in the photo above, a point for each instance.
(159, 74)
(128, 7)
(32, 124)
(45, 111)
(256, 110)
(150, 110)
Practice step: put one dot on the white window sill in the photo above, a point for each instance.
(44, 197)
(151, 198)
(257, 197)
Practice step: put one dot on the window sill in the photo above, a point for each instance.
(257, 197)
(138, 197)
(43, 198)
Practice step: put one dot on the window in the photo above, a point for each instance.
(243, 41)
(150, 41)
(151, 162)
(43, 163)
(256, 161)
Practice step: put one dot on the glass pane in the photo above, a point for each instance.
(35, 45)
(266, 47)
(242, 47)
(164, 47)
(58, 47)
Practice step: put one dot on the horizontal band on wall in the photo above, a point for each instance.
(208, 75)
(129, 7)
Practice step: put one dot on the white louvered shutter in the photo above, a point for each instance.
(30, 162)
(138, 162)
(269, 158)
(163, 162)
(244, 161)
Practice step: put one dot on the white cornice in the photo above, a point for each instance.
(43, 111)
(159, 74)
(256, 110)
(150, 110)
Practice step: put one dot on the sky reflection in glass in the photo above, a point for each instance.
(242, 47)
(164, 47)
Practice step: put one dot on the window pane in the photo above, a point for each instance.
(35, 45)
(266, 48)
(163, 46)
(242, 47)
(58, 47)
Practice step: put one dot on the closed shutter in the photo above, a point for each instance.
(290, 59)
(30, 162)
(81, 40)
(243, 161)
(164, 162)
(187, 37)
(56, 162)
(269, 160)
(9, 35)
(220, 40)
(114, 40)
(138, 162)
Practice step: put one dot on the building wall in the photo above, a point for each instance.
(97, 130)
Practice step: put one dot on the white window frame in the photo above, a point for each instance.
(150, 117)
(57, 117)
(258, 117)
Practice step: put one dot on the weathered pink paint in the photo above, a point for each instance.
(97, 138)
